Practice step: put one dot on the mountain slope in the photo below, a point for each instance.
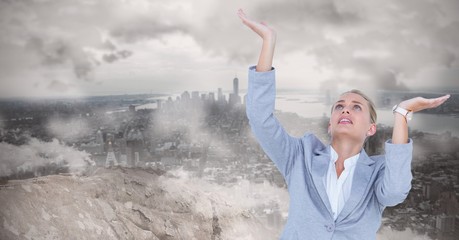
(123, 204)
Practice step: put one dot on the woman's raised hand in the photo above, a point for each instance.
(419, 103)
(268, 35)
(261, 28)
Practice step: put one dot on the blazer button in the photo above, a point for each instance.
(330, 227)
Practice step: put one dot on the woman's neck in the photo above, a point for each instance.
(346, 148)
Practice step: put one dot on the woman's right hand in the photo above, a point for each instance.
(261, 28)
(268, 35)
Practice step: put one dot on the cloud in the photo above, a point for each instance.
(38, 158)
(386, 45)
(69, 130)
(77, 40)
(112, 57)
(58, 86)
(146, 27)
(55, 38)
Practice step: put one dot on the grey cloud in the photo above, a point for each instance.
(48, 41)
(417, 35)
(407, 46)
(109, 45)
(387, 80)
(124, 53)
(298, 23)
(51, 54)
(414, 35)
(112, 57)
(146, 27)
(58, 86)
(313, 12)
(34, 155)
(69, 130)
(83, 70)
(59, 51)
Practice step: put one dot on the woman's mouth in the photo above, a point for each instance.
(345, 121)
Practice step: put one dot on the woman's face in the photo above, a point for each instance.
(350, 117)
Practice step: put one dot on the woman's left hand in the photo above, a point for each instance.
(419, 103)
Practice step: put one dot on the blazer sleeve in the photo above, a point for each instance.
(394, 181)
(280, 147)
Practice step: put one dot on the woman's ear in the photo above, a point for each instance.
(372, 130)
(329, 126)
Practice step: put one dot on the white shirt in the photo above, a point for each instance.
(339, 189)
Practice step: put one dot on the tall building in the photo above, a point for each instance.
(445, 223)
(99, 137)
(130, 162)
(195, 95)
(195, 99)
(234, 97)
(211, 97)
(220, 95)
(236, 86)
(111, 159)
(134, 144)
(203, 97)
(123, 160)
(431, 190)
(136, 159)
(186, 96)
(131, 108)
(100, 141)
(158, 104)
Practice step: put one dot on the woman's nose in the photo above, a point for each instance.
(345, 111)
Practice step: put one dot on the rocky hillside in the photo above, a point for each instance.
(126, 204)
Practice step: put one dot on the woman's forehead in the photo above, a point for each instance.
(351, 97)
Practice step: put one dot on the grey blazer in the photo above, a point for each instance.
(378, 181)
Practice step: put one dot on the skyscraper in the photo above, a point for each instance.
(236, 86)
(185, 96)
(195, 96)
(111, 159)
(234, 97)
(211, 97)
(220, 95)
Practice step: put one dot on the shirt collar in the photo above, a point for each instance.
(348, 162)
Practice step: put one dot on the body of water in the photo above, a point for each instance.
(312, 106)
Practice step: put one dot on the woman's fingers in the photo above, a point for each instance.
(242, 16)
(420, 103)
(443, 98)
(440, 100)
(261, 29)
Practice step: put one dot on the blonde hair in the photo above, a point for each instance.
(371, 105)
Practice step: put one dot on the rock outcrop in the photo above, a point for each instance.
(121, 204)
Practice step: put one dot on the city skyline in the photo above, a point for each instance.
(210, 142)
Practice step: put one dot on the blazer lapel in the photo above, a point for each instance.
(319, 168)
(362, 175)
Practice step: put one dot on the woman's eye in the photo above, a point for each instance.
(357, 107)
(338, 107)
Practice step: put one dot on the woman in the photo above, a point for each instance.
(336, 191)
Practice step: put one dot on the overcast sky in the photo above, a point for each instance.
(90, 47)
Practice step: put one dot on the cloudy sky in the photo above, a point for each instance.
(93, 47)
